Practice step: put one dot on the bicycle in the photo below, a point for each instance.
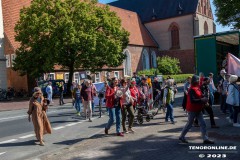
(157, 104)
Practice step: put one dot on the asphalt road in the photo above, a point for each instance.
(17, 139)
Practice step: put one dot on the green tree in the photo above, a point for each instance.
(168, 65)
(71, 33)
(228, 12)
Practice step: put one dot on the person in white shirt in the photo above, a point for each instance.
(49, 91)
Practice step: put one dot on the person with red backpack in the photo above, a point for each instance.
(195, 104)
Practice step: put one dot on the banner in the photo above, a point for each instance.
(233, 65)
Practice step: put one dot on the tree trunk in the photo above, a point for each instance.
(70, 79)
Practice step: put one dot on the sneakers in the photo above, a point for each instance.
(89, 120)
(42, 143)
(120, 134)
(131, 130)
(183, 140)
(106, 131)
(173, 122)
(208, 142)
(78, 113)
(236, 125)
(126, 132)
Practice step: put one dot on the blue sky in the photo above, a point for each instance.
(219, 27)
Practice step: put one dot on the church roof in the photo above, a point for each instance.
(130, 21)
(159, 9)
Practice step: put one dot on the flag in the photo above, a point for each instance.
(233, 65)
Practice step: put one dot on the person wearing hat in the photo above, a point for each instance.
(221, 91)
(207, 106)
(195, 104)
(233, 100)
(37, 109)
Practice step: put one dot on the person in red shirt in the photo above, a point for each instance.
(113, 103)
(195, 104)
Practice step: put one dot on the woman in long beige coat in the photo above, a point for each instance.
(37, 108)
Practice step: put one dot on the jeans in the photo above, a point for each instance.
(211, 98)
(230, 108)
(49, 96)
(61, 99)
(130, 112)
(117, 112)
(211, 115)
(191, 117)
(77, 105)
(236, 111)
(169, 113)
(93, 107)
(223, 103)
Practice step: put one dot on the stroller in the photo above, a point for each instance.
(142, 110)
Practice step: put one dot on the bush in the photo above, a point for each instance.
(168, 65)
(150, 72)
(180, 78)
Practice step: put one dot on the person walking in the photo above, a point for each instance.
(37, 112)
(49, 91)
(212, 89)
(207, 106)
(186, 87)
(113, 103)
(87, 98)
(156, 87)
(77, 99)
(61, 90)
(195, 103)
(168, 100)
(221, 91)
(73, 86)
(94, 90)
(233, 99)
(127, 102)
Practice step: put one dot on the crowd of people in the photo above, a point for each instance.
(121, 97)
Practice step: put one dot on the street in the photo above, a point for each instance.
(75, 138)
(17, 140)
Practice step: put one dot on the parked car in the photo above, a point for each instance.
(55, 86)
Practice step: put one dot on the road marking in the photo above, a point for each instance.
(2, 153)
(8, 141)
(12, 117)
(57, 128)
(71, 124)
(27, 136)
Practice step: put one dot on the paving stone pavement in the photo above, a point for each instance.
(154, 140)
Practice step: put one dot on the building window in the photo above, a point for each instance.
(205, 28)
(66, 77)
(107, 75)
(127, 64)
(8, 64)
(97, 77)
(154, 59)
(145, 58)
(76, 78)
(51, 76)
(13, 57)
(116, 74)
(175, 37)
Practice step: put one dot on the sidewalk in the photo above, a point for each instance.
(154, 140)
(23, 104)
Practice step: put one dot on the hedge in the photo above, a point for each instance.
(180, 78)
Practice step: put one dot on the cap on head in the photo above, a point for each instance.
(233, 78)
(223, 71)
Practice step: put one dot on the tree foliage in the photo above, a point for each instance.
(168, 65)
(228, 12)
(71, 33)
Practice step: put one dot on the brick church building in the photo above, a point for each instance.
(156, 27)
